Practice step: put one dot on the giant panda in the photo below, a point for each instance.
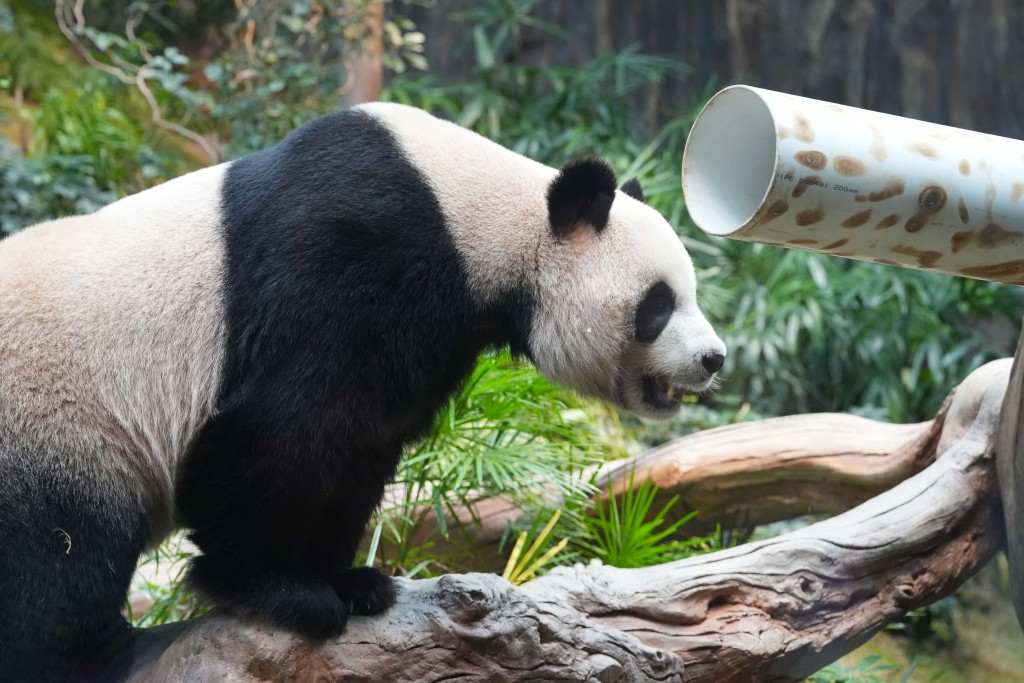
(244, 351)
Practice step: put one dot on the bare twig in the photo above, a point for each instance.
(139, 78)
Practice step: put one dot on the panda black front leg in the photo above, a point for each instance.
(253, 506)
(333, 546)
(290, 597)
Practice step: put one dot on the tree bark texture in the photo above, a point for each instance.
(944, 61)
(1010, 467)
(775, 610)
(364, 64)
(755, 473)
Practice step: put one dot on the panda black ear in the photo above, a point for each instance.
(581, 195)
(632, 188)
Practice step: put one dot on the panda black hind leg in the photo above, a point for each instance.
(63, 574)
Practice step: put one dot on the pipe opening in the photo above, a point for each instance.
(729, 161)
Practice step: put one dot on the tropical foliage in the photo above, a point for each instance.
(146, 89)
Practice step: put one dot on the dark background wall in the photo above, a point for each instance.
(957, 62)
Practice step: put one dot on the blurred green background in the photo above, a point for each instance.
(103, 98)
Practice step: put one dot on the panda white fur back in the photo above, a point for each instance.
(245, 350)
(97, 365)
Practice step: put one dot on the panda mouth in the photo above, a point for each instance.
(658, 392)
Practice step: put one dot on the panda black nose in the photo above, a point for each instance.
(712, 362)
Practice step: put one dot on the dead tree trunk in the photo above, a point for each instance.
(775, 610)
(755, 473)
(1010, 466)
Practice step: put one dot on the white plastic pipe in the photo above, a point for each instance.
(790, 171)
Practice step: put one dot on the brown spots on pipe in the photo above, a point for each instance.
(924, 149)
(931, 200)
(805, 183)
(857, 219)
(848, 166)
(802, 242)
(812, 159)
(887, 222)
(775, 209)
(965, 167)
(1016, 192)
(893, 188)
(926, 259)
(915, 222)
(959, 240)
(810, 217)
(965, 217)
(802, 129)
(877, 144)
(1008, 271)
(989, 237)
(836, 244)
(992, 236)
(886, 262)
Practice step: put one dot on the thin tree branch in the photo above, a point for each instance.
(138, 78)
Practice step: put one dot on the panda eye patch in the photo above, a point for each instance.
(653, 313)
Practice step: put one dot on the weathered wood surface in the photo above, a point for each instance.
(756, 473)
(775, 610)
(1010, 468)
(781, 468)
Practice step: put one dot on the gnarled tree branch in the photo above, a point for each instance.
(775, 610)
(758, 472)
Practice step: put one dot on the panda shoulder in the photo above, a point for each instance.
(409, 121)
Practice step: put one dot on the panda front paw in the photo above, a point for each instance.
(298, 601)
(364, 590)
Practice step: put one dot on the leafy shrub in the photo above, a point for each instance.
(33, 190)
(261, 69)
(626, 531)
(84, 123)
(29, 64)
(870, 669)
(507, 434)
(526, 563)
(811, 333)
(167, 598)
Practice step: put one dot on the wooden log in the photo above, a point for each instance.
(781, 468)
(1010, 469)
(754, 473)
(776, 610)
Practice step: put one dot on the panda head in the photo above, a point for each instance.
(615, 306)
